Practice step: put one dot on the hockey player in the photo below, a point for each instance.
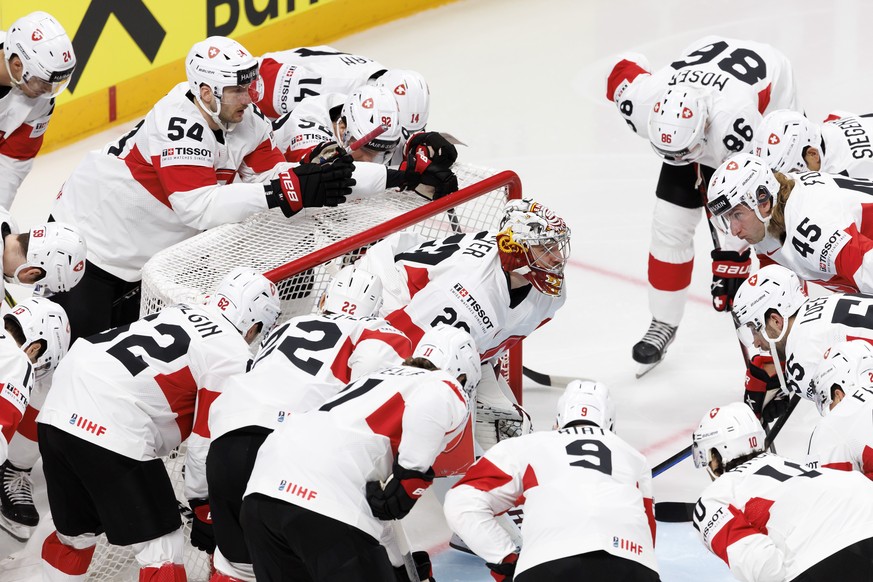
(790, 142)
(843, 390)
(598, 484)
(203, 156)
(695, 112)
(34, 321)
(38, 61)
(122, 399)
(317, 512)
(306, 361)
(770, 519)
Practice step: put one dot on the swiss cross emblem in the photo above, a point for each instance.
(687, 113)
(773, 139)
(36, 36)
(367, 103)
(713, 412)
(79, 266)
(272, 289)
(400, 89)
(223, 303)
(826, 354)
(657, 106)
(753, 280)
(213, 52)
(732, 166)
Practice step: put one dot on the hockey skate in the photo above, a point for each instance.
(18, 515)
(650, 351)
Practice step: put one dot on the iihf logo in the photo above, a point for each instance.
(282, 484)
(73, 418)
(281, 416)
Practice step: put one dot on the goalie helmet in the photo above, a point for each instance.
(45, 51)
(245, 297)
(741, 179)
(219, 62)
(677, 125)
(413, 98)
(731, 430)
(42, 319)
(586, 400)
(846, 365)
(782, 137)
(536, 242)
(366, 109)
(772, 287)
(452, 350)
(353, 291)
(59, 250)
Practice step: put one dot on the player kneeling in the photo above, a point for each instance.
(315, 506)
(123, 398)
(587, 499)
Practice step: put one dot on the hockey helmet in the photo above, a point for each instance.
(782, 137)
(847, 366)
(366, 109)
(586, 400)
(732, 430)
(245, 298)
(59, 250)
(452, 350)
(772, 287)
(219, 62)
(42, 319)
(677, 125)
(353, 291)
(46, 54)
(741, 179)
(413, 98)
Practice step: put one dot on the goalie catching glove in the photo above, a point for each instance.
(202, 536)
(312, 185)
(428, 158)
(729, 270)
(402, 490)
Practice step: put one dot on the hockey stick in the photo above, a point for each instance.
(550, 380)
(359, 143)
(401, 542)
(10, 300)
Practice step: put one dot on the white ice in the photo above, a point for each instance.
(523, 84)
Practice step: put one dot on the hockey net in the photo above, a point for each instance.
(301, 255)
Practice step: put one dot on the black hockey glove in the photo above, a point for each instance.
(439, 149)
(312, 185)
(774, 410)
(323, 153)
(422, 566)
(402, 490)
(202, 537)
(420, 170)
(505, 570)
(729, 270)
(759, 381)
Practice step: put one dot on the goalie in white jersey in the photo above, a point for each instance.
(772, 520)
(122, 399)
(203, 156)
(303, 363)
(315, 507)
(695, 112)
(587, 497)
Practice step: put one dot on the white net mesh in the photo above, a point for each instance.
(189, 271)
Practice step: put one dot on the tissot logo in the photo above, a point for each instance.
(186, 151)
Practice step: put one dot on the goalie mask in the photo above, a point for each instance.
(413, 98)
(741, 179)
(847, 366)
(454, 351)
(586, 400)
(59, 250)
(677, 125)
(534, 241)
(43, 320)
(245, 298)
(46, 55)
(366, 109)
(772, 288)
(731, 430)
(353, 291)
(782, 138)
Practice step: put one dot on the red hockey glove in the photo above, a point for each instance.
(729, 270)
(312, 185)
(760, 377)
(202, 536)
(505, 570)
(418, 168)
(439, 149)
(402, 490)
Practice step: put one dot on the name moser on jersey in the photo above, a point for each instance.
(122, 399)
(319, 511)
(302, 364)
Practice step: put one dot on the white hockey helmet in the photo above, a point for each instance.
(413, 98)
(219, 62)
(59, 250)
(586, 400)
(245, 297)
(353, 291)
(782, 137)
(732, 430)
(677, 124)
(741, 179)
(46, 53)
(536, 242)
(772, 288)
(42, 319)
(846, 365)
(452, 350)
(366, 109)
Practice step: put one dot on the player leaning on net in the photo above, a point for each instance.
(599, 486)
(203, 156)
(843, 391)
(318, 512)
(38, 61)
(499, 286)
(771, 519)
(122, 399)
(36, 321)
(695, 112)
(303, 363)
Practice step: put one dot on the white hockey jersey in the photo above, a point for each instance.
(844, 438)
(459, 281)
(165, 181)
(745, 80)
(770, 519)
(401, 413)
(16, 384)
(846, 146)
(583, 488)
(303, 363)
(141, 389)
(293, 75)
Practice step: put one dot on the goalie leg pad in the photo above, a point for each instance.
(163, 573)
(66, 558)
(498, 415)
(159, 552)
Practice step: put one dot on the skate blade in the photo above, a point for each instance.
(457, 543)
(20, 532)
(644, 369)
